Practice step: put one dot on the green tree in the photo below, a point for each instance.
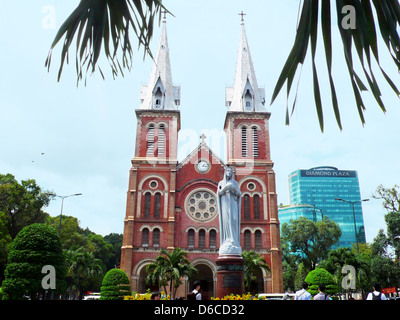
(391, 202)
(5, 244)
(115, 285)
(101, 248)
(253, 262)
(115, 239)
(301, 274)
(310, 241)
(82, 266)
(289, 271)
(384, 269)
(98, 24)
(21, 203)
(321, 276)
(34, 247)
(170, 267)
(71, 234)
(389, 196)
(341, 257)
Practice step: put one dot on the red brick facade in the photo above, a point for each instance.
(171, 204)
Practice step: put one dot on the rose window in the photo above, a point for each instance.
(201, 205)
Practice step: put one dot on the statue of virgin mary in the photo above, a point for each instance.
(229, 199)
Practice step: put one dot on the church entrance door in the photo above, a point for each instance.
(205, 275)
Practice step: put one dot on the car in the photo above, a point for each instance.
(93, 296)
(276, 296)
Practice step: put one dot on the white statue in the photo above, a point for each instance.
(229, 198)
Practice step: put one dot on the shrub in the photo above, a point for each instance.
(321, 276)
(115, 285)
(34, 246)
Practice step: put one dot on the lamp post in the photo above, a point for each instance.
(354, 216)
(355, 230)
(62, 205)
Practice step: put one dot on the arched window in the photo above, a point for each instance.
(258, 236)
(254, 135)
(191, 238)
(161, 140)
(246, 203)
(244, 141)
(213, 239)
(158, 98)
(147, 204)
(150, 140)
(145, 237)
(247, 239)
(157, 205)
(256, 206)
(156, 238)
(248, 98)
(202, 239)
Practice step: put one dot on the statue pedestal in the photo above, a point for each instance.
(229, 275)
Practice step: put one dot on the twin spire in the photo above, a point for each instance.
(161, 94)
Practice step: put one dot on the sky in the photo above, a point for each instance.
(87, 133)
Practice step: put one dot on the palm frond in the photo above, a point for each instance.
(363, 38)
(106, 23)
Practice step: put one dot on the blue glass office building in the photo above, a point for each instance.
(294, 212)
(320, 187)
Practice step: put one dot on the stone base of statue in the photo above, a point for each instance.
(229, 275)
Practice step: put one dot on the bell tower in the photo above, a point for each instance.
(150, 210)
(248, 151)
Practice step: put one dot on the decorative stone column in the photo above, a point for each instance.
(230, 275)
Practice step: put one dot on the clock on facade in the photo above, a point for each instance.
(202, 166)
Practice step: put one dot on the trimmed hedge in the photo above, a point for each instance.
(34, 246)
(321, 276)
(115, 285)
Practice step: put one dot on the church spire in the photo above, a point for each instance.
(245, 95)
(160, 94)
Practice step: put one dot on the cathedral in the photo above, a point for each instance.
(173, 203)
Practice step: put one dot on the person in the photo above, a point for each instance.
(156, 296)
(195, 294)
(303, 294)
(376, 294)
(321, 293)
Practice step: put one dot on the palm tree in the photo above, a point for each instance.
(82, 265)
(170, 267)
(253, 262)
(105, 22)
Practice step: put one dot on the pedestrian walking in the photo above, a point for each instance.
(195, 294)
(321, 293)
(303, 294)
(376, 294)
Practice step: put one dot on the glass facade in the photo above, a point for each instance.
(320, 187)
(294, 212)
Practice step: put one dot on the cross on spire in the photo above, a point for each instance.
(242, 14)
(165, 15)
(203, 137)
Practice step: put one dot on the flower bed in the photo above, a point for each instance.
(247, 296)
(145, 296)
